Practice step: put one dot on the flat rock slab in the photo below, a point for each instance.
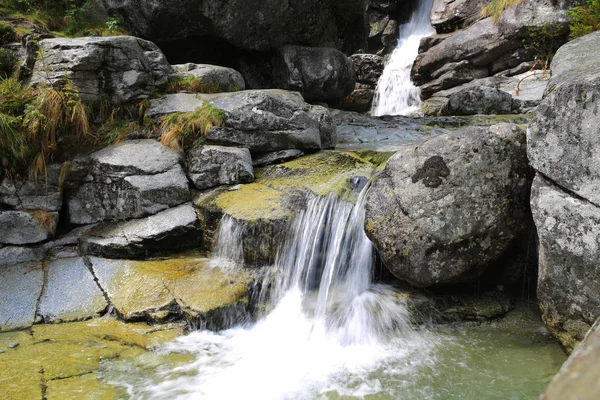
(20, 289)
(172, 103)
(22, 227)
(275, 157)
(11, 255)
(157, 290)
(70, 292)
(174, 229)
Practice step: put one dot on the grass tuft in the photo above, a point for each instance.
(497, 7)
(181, 128)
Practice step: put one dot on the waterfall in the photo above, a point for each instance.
(227, 249)
(395, 93)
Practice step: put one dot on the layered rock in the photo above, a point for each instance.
(249, 25)
(318, 73)
(442, 210)
(129, 180)
(563, 146)
(213, 78)
(33, 195)
(481, 100)
(118, 68)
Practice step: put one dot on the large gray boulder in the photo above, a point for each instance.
(213, 77)
(248, 24)
(209, 166)
(22, 227)
(443, 209)
(564, 136)
(481, 100)
(569, 261)
(118, 68)
(318, 73)
(177, 228)
(129, 180)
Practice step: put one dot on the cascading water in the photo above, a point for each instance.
(395, 93)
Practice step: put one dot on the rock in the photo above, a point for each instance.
(184, 287)
(360, 100)
(70, 292)
(20, 288)
(449, 15)
(367, 68)
(485, 41)
(452, 75)
(174, 229)
(33, 195)
(389, 37)
(318, 73)
(209, 166)
(129, 180)
(21, 227)
(481, 100)
(569, 261)
(171, 103)
(275, 157)
(213, 78)
(13, 345)
(10, 255)
(116, 68)
(578, 377)
(443, 209)
(249, 25)
(564, 136)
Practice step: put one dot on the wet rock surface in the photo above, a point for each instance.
(20, 289)
(210, 166)
(442, 209)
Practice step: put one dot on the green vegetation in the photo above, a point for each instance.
(185, 129)
(7, 63)
(196, 85)
(497, 7)
(7, 33)
(584, 19)
(61, 17)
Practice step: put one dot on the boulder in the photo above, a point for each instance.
(171, 230)
(564, 136)
(578, 377)
(33, 195)
(481, 100)
(70, 292)
(318, 73)
(249, 24)
(159, 290)
(449, 15)
(569, 261)
(27, 227)
(214, 78)
(259, 120)
(209, 166)
(129, 180)
(367, 68)
(116, 68)
(442, 210)
(20, 289)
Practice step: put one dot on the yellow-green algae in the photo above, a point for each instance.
(58, 361)
(151, 287)
(320, 173)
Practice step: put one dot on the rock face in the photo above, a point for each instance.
(562, 146)
(318, 73)
(444, 208)
(171, 230)
(119, 68)
(30, 195)
(484, 47)
(578, 377)
(214, 78)
(564, 138)
(20, 288)
(248, 24)
(129, 180)
(209, 166)
(569, 261)
(368, 69)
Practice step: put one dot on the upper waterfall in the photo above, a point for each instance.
(395, 93)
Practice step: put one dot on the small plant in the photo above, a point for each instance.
(7, 33)
(7, 63)
(584, 19)
(179, 129)
(44, 219)
(497, 7)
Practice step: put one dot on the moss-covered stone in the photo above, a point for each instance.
(172, 288)
(52, 360)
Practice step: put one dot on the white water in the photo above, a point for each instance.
(327, 330)
(395, 93)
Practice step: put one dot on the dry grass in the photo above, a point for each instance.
(44, 219)
(180, 128)
(497, 7)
